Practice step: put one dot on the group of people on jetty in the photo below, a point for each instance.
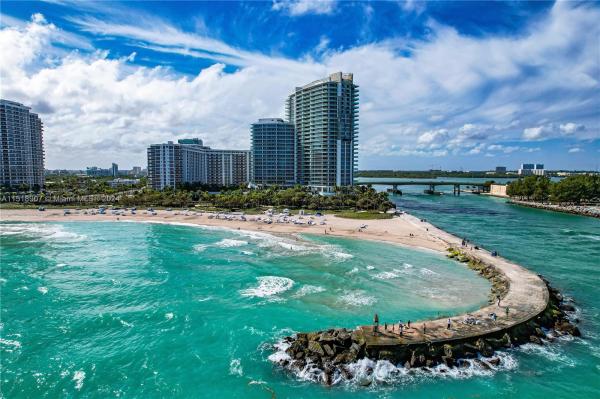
(401, 327)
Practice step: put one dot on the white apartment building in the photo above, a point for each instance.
(189, 161)
(21, 146)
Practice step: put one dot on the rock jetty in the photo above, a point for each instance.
(582, 210)
(331, 353)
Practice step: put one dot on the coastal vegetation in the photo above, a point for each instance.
(298, 197)
(365, 215)
(576, 189)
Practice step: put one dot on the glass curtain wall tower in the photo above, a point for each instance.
(273, 152)
(325, 116)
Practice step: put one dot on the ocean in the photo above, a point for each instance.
(105, 309)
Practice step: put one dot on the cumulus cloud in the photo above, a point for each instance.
(570, 128)
(302, 7)
(98, 108)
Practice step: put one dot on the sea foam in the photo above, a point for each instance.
(308, 289)
(268, 286)
(357, 298)
(368, 372)
(46, 232)
(228, 243)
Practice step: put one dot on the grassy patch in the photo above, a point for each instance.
(364, 215)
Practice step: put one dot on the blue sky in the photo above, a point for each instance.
(452, 85)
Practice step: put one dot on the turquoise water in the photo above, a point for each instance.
(111, 309)
(141, 310)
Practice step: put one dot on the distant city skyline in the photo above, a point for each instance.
(452, 86)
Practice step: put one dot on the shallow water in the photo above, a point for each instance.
(143, 310)
(146, 309)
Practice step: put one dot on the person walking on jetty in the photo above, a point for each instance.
(375, 324)
(449, 324)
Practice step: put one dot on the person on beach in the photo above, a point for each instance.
(424, 329)
(375, 323)
(449, 324)
(408, 324)
(385, 326)
(507, 310)
(401, 329)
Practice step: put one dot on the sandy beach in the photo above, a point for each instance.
(404, 229)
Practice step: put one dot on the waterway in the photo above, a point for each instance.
(142, 310)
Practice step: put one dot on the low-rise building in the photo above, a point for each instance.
(498, 190)
(528, 169)
(189, 161)
(123, 182)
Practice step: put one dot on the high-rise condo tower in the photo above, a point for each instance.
(273, 152)
(21, 146)
(325, 116)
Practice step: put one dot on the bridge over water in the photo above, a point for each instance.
(431, 184)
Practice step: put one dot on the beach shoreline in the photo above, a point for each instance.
(405, 230)
(524, 293)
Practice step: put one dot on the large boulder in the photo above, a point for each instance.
(315, 347)
(484, 348)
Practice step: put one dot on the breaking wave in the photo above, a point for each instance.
(386, 275)
(46, 232)
(268, 286)
(228, 243)
(366, 372)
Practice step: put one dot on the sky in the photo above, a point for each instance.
(443, 85)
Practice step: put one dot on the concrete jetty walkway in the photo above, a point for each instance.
(526, 298)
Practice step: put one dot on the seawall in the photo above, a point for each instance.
(582, 210)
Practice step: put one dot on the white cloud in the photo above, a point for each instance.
(433, 137)
(570, 128)
(548, 131)
(302, 7)
(430, 104)
(537, 133)
(575, 150)
(323, 43)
